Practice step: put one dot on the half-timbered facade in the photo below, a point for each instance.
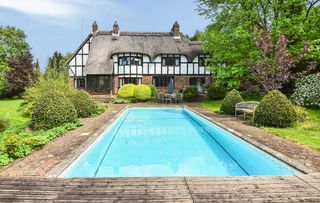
(106, 60)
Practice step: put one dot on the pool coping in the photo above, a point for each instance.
(57, 170)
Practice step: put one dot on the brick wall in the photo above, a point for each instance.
(147, 80)
(180, 82)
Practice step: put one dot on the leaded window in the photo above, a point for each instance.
(161, 81)
(130, 60)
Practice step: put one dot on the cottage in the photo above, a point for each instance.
(106, 60)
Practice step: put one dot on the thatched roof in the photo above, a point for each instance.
(104, 45)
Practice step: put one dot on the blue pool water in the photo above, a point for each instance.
(171, 142)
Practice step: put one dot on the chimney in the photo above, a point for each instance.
(115, 30)
(94, 27)
(175, 31)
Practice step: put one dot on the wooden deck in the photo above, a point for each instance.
(301, 188)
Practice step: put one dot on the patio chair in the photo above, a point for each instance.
(160, 97)
(179, 98)
(174, 98)
(167, 98)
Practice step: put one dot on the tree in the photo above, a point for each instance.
(230, 36)
(12, 45)
(57, 65)
(36, 71)
(20, 75)
(274, 67)
(197, 36)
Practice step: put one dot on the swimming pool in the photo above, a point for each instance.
(171, 142)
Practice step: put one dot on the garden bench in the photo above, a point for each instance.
(248, 107)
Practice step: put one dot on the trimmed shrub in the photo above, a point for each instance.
(44, 85)
(215, 91)
(154, 90)
(127, 90)
(83, 103)
(51, 110)
(275, 110)
(4, 124)
(229, 102)
(142, 92)
(307, 91)
(190, 93)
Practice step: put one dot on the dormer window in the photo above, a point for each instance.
(130, 60)
(171, 60)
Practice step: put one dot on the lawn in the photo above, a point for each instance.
(10, 109)
(306, 133)
(212, 105)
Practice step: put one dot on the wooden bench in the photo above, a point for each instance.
(246, 108)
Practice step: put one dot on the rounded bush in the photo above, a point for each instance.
(142, 92)
(154, 90)
(190, 93)
(307, 91)
(229, 102)
(4, 124)
(127, 90)
(83, 103)
(215, 92)
(51, 110)
(275, 110)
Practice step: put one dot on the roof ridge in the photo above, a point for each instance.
(129, 33)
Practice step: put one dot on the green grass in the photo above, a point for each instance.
(306, 133)
(10, 109)
(212, 105)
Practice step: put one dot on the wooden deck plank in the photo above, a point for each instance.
(190, 189)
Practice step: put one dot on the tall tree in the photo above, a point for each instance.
(197, 36)
(276, 65)
(36, 71)
(12, 45)
(57, 65)
(230, 37)
(20, 75)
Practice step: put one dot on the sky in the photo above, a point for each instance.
(62, 25)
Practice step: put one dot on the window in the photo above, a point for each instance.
(81, 83)
(123, 81)
(130, 60)
(170, 61)
(162, 81)
(98, 83)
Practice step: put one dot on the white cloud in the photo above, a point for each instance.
(46, 8)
